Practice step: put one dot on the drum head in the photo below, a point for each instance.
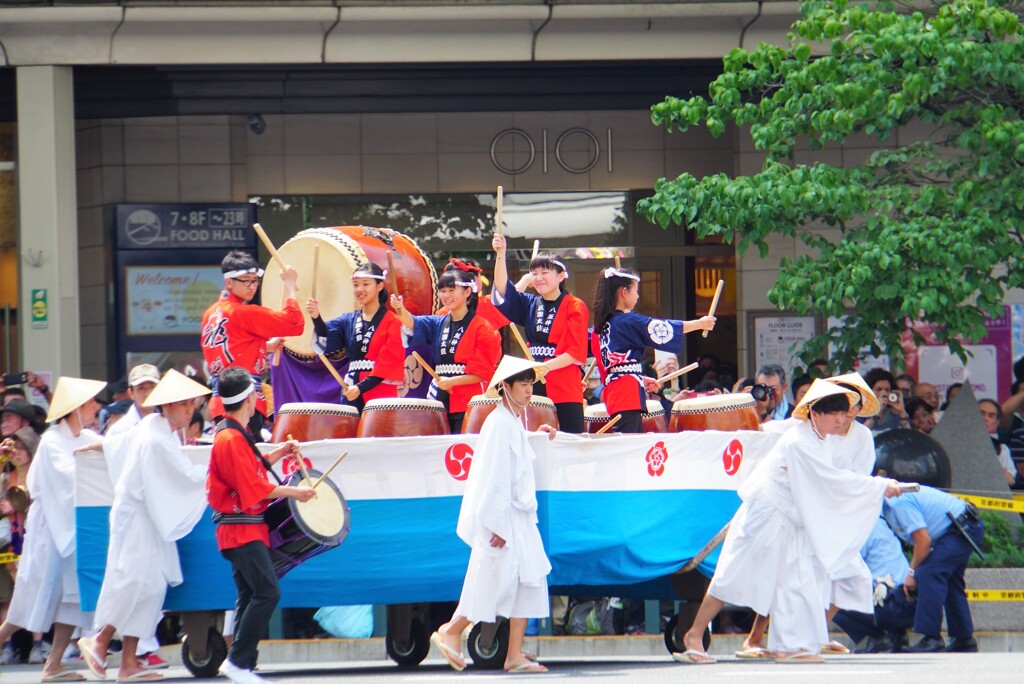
(714, 403)
(324, 518)
(317, 409)
(596, 411)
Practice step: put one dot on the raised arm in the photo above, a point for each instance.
(499, 246)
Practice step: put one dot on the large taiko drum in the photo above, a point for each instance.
(403, 418)
(725, 412)
(342, 249)
(309, 422)
(540, 411)
(300, 530)
(653, 417)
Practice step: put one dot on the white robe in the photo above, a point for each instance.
(47, 587)
(117, 440)
(158, 500)
(501, 499)
(799, 520)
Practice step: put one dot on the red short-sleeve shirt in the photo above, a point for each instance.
(237, 483)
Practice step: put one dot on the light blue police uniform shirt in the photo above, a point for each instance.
(883, 553)
(924, 509)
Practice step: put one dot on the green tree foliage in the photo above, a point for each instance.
(1003, 543)
(927, 229)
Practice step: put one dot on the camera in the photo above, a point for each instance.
(761, 392)
(892, 397)
(11, 379)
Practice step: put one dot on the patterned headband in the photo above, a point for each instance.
(462, 266)
(242, 272)
(365, 274)
(611, 271)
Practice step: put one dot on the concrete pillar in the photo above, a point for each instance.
(47, 219)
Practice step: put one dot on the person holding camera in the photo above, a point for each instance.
(892, 414)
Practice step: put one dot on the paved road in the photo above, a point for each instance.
(981, 668)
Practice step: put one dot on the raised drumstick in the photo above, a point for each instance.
(328, 471)
(302, 466)
(609, 424)
(714, 304)
(618, 264)
(392, 274)
(426, 366)
(269, 245)
(536, 249)
(316, 267)
(681, 371)
(497, 212)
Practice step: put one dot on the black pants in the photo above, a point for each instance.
(258, 594)
(631, 422)
(455, 422)
(570, 417)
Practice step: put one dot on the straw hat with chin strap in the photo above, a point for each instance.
(869, 404)
(71, 393)
(173, 388)
(509, 366)
(819, 390)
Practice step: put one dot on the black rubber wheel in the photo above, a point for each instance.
(414, 652)
(488, 657)
(674, 636)
(216, 653)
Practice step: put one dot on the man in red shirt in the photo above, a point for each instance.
(235, 331)
(238, 491)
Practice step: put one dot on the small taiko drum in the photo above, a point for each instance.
(300, 530)
(540, 411)
(403, 418)
(653, 417)
(725, 412)
(308, 422)
(341, 250)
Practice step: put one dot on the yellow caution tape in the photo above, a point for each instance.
(995, 594)
(992, 503)
(8, 558)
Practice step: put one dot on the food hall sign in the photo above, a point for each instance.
(512, 164)
(185, 226)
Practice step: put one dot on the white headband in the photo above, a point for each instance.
(228, 401)
(612, 271)
(470, 285)
(235, 274)
(372, 276)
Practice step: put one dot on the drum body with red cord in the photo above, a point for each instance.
(725, 412)
(653, 417)
(403, 418)
(310, 422)
(540, 411)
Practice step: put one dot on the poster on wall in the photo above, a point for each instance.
(779, 339)
(169, 300)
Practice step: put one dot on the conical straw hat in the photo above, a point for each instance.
(509, 366)
(819, 389)
(175, 387)
(70, 394)
(869, 404)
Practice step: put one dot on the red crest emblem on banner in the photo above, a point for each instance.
(457, 460)
(290, 464)
(656, 457)
(732, 457)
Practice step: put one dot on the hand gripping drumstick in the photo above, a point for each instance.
(714, 303)
(609, 424)
(681, 371)
(497, 212)
(302, 466)
(706, 551)
(328, 471)
(426, 366)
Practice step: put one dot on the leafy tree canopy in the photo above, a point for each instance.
(929, 229)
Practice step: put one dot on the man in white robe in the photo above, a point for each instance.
(800, 518)
(158, 499)
(46, 592)
(508, 568)
(142, 380)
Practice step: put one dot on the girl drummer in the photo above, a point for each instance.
(619, 339)
(556, 329)
(470, 269)
(466, 347)
(370, 335)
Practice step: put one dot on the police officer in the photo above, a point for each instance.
(943, 530)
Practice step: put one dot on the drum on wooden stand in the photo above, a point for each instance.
(403, 418)
(341, 250)
(309, 422)
(725, 412)
(540, 411)
(653, 417)
(300, 530)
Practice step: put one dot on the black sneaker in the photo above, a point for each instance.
(968, 645)
(927, 644)
(900, 641)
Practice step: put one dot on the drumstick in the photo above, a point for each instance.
(316, 267)
(426, 366)
(392, 275)
(302, 465)
(589, 369)
(714, 303)
(618, 264)
(681, 371)
(706, 551)
(609, 424)
(497, 213)
(328, 472)
(333, 371)
(522, 343)
(536, 248)
(269, 245)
